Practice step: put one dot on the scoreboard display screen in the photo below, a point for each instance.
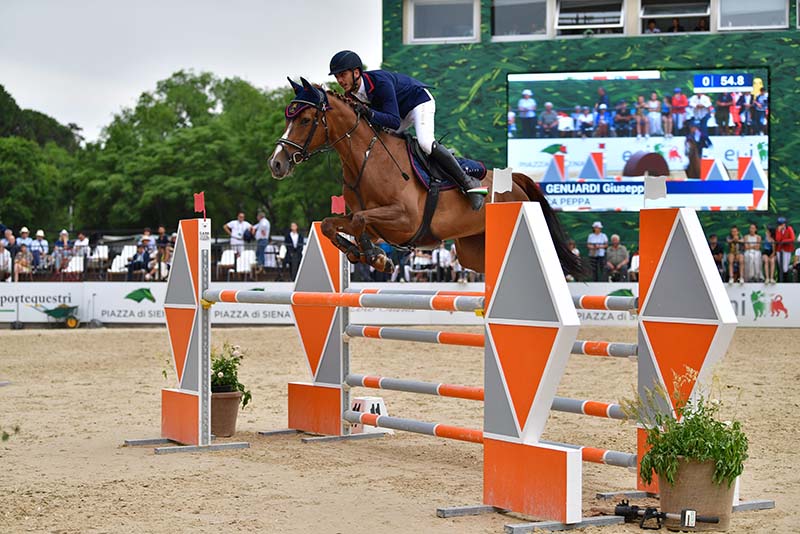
(589, 138)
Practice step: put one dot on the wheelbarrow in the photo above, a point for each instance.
(68, 315)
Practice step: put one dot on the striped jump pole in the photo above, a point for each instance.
(599, 302)
(441, 337)
(560, 404)
(413, 291)
(588, 454)
(449, 303)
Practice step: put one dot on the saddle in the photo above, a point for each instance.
(434, 179)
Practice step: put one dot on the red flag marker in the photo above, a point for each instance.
(337, 205)
(200, 203)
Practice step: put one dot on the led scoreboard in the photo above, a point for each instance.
(723, 83)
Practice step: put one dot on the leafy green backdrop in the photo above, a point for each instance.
(470, 88)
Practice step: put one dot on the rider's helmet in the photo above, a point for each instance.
(345, 60)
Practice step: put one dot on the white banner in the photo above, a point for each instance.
(755, 305)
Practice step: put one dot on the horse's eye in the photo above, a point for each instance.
(305, 121)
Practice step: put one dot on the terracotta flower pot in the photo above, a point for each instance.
(224, 411)
(694, 489)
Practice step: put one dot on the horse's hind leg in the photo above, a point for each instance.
(470, 252)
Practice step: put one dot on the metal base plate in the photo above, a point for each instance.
(4, 383)
(278, 432)
(761, 504)
(632, 494)
(202, 448)
(552, 526)
(461, 511)
(348, 437)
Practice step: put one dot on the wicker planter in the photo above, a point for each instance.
(694, 489)
(224, 411)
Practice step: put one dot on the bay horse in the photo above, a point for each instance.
(383, 202)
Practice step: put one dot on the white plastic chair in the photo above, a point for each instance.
(227, 262)
(245, 263)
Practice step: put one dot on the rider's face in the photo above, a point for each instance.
(348, 80)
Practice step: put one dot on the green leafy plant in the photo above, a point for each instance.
(4, 435)
(225, 370)
(697, 433)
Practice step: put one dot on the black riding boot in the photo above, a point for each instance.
(470, 186)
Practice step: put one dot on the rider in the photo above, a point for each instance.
(396, 101)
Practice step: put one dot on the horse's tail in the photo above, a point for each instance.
(570, 263)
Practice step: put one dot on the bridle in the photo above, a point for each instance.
(302, 154)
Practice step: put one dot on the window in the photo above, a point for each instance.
(578, 17)
(519, 18)
(673, 16)
(443, 20)
(764, 14)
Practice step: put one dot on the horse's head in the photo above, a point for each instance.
(303, 137)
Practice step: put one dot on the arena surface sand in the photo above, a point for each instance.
(76, 395)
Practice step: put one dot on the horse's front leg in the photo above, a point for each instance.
(331, 226)
(382, 217)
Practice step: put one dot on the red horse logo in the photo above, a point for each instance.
(674, 154)
(776, 307)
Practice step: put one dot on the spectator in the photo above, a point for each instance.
(512, 124)
(696, 142)
(459, 274)
(617, 259)
(745, 104)
(236, 229)
(573, 247)
(602, 98)
(6, 266)
(442, 260)
(548, 121)
(679, 105)
(735, 256)
(752, 255)
(761, 106)
(718, 253)
(666, 116)
(402, 269)
(654, 115)
(651, 27)
(622, 120)
(526, 115)
(700, 106)
(81, 245)
(294, 248)
(6, 233)
(602, 121)
(25, 237)
(40, 250)
(421, 264)
(23, 262)
(701, 26)
(641, 118)
(62, 250)
(271, 252)
(585, 122)
(162, 239)
(784, 241)
(768, 255)
(139, 261)
(147, 234)
(576, 119)
(597, 243)
(722, 113)
(675, 26)
(261, 235)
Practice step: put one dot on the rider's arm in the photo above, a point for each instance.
(385, 112)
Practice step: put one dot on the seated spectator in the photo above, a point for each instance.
(23, 262)
(576, 115)
(718, 253)
(602, 123)
(735, 256)
(651, 27)
(148, 240)
(623, 120)
(548, 121)
(40, 250)
(139, 261)
(675, 26)
(158, 268)
(701, 26)
(81, 245)
(585, 122)
(752, 255)
(6, 266)
(617, 260)
(402, 268)
(421, 263)
(162, 239)
(6, 233)
(25, 237)
(62, 250)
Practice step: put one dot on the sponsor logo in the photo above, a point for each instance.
(763, 303)
(143, 293)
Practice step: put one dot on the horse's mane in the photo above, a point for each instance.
(351, 102)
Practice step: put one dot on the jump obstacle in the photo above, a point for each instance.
(531, 325)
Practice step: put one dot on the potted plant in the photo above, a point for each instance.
(696, 455)
(226, 390)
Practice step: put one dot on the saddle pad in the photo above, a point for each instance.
(421, 168)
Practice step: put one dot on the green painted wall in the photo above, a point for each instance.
(470, 88)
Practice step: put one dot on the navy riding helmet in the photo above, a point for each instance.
(345, 60)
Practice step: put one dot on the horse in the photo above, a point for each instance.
(384, 202)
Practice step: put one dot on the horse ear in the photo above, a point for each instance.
(296, 86)
(306, 84)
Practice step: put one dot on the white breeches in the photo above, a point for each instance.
(421, 118)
